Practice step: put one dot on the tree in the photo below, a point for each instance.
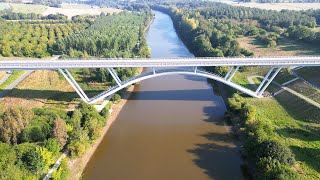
(276, 151)
(53, 146)
(59, 131)
(14, 120)
(38, 160)
(8, 167)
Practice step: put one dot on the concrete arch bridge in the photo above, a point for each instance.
(163, 67)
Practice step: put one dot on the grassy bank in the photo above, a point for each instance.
(14, 76)
(43, 89)
(296, 124)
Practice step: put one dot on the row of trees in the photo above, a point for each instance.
(32, 40)
(109, 36)
(283, 18)
(8, 14)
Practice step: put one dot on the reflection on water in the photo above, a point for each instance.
(170, 128)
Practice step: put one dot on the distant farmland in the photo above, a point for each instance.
(79, 9)
(4, 6)
(278, 6)
(67, 9)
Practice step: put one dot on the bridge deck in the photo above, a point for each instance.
(164, 62)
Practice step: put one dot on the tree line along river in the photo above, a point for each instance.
(170, 128)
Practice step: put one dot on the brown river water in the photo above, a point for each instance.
(171, 128)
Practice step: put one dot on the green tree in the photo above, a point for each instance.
(59, 131)
(53, 146)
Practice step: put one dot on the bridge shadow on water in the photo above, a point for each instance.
(219, 157)
(178, 95)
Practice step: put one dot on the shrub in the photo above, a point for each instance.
(269, 168)
(53, 146)
(105, 113)
(116, 98)
(276, 151)
(248, 112)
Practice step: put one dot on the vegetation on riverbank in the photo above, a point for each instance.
(32, 139)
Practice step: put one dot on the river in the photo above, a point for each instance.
(170, 128)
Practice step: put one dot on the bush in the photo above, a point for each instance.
(53, 146)
(248, 112)
(235, 103)
(276, 151)
(269, 168)
(116, 98)
(105, 113)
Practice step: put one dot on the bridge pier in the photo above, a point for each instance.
(269, 81)
(264, 79)
(228, 73)
(115, 76)
(79, 91)
(154, 70)
(234, 72)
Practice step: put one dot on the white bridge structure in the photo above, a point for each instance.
(163, 67)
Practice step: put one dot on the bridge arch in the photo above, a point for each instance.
(168, 72)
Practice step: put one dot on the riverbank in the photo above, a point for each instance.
(78, 165)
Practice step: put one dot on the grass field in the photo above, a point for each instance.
(14, 76)
(278, 6)
(2, 74)
(296, 124)
(285, 47)
(311, 74)
(66, 9)
(28, 8)
(89, 86)
(305, 89)
(43, 89)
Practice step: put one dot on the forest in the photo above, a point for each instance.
(32, 139)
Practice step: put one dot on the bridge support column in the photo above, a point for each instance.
(264, 79)
(154, 70)
(269, 81)
(234, 72)
(195, 69)
(228, 73)
(115, 76)
(79, 92)
(76, 84)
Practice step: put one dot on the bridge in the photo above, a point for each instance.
(172, 66)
